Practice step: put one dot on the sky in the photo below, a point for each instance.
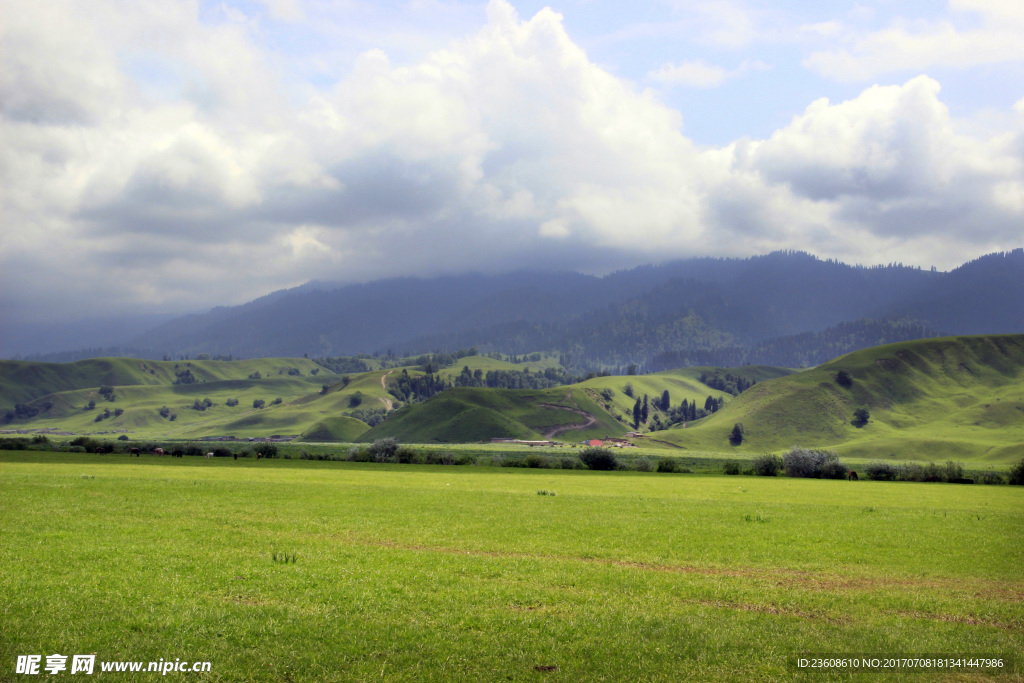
(165, 157)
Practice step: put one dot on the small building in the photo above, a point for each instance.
(595, 442)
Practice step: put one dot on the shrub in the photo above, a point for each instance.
(642, 465)
(598, 458)
(668, 465)
(844, 379)
(536, 461)
(269, 450)
(231, 402)
(833, 469)
(569, 463)
(953, 471)
(356, 454)
(810, 463)
(1016, 476)
(909, 471)
(880, 471)
(990, 478)
(731, 467)
(767, 465)
(355, 400)
(446, 458)
(258, 403)
(123, 437)
(383, 450)
(407, 456)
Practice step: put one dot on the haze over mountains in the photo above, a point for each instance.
(784, 308)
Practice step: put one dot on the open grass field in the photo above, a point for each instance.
(420, 573)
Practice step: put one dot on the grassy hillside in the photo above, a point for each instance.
(24, 381)
(145, 394)
(478, 414)
(682, 383)
(958, 398)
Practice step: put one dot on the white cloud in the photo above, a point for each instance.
(193, 173)
(952, 41)
(699, 74)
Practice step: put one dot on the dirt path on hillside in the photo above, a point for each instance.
(384, 385)
(591, 420)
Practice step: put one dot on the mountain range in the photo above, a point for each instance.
(784, 308)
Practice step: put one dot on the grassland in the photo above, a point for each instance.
(418, 573)
(959, 398)
(467, 414)
(142, 388)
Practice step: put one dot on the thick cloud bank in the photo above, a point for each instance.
(153, 157)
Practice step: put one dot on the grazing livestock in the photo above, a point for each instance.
(101, 450)
(134, 451)
(852, 476)
(209, 455)
(158, 451)
(177, 454)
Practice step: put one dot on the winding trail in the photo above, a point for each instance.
(383, 385)
(591, 420)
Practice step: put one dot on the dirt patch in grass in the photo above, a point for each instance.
(779, 577)
(767, 609)
(961, 619)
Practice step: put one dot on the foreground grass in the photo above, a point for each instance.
(457, 573)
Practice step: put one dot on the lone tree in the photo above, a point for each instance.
(636, 414)
(736, 435)
(644, 411)
(666, 401)
(860, 417)
(844, 379)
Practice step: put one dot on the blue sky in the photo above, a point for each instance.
(175, 156)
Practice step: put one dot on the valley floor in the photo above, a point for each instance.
(326, 571)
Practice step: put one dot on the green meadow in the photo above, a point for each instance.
(953, 398)
(287, 570)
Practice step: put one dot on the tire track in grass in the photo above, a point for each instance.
(779, 576)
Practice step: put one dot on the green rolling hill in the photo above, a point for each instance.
(959, 398)
(466, 414)
(25, 381)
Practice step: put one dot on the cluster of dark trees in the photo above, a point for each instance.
(107, 414)
(202, 405)
(659, 413)
(184, 377)
(727, 382)
(26, 411)
(514, 379)
(412, 388)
